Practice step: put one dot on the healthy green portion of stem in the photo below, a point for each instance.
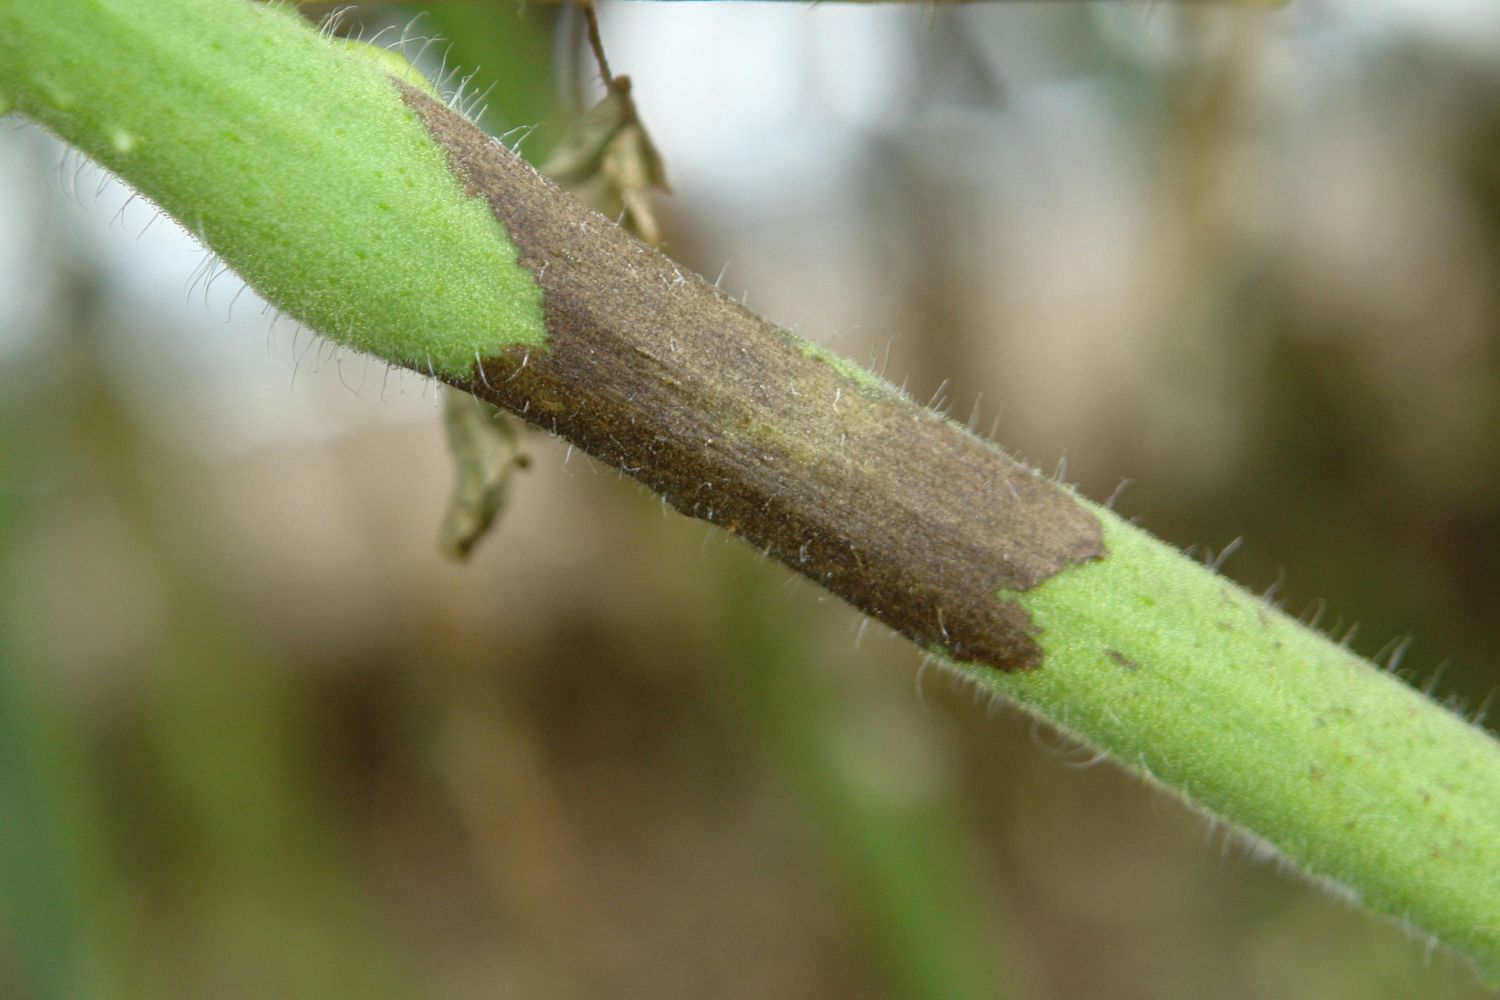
(293, 159)
(1220, 697)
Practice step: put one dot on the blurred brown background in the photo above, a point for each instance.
(258, 738)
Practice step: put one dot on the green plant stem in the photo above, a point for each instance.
(1035, 594)
(228, 115)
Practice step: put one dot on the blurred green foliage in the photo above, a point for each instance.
(257, 738)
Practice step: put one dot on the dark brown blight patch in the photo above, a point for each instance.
(649, 368)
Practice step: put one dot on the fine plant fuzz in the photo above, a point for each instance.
(390, 259)
(388, 222)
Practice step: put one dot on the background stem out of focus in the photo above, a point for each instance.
(258, 738)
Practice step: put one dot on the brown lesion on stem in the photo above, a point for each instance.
(733, 420)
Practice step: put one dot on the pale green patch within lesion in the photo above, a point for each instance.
(861, 376)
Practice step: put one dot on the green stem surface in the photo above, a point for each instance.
(383, 221)
(1245, 712)
(292, 159)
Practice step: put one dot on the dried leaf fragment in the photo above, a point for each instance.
(486, 448)
(609, 161)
